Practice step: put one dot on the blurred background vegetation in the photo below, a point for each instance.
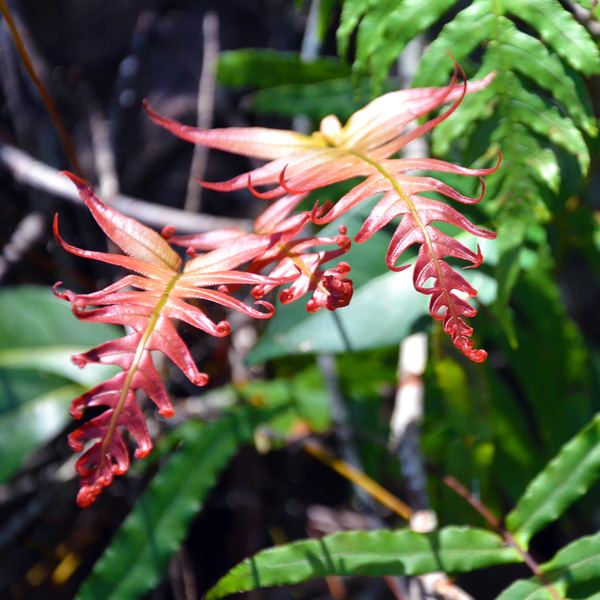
(277, 63)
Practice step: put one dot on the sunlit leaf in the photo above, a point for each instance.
(371, 553)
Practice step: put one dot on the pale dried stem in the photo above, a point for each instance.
(206, 104)
(35, 174)
(407, 417)
(104, 158)
(27, 233)
(405, 427)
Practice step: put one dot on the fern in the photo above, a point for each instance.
(383, 30)
(362, 147)
(536, 110)
(160, 289)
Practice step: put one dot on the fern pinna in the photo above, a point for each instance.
(299, 164)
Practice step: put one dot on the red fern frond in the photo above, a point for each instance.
(146, 301)
(363, 147)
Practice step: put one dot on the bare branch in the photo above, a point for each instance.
(27, 170)
(206, 104)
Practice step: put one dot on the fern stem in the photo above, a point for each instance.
(483, 510)
(135, 364)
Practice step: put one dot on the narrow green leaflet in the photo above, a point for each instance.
(528, 56)
(137, 557)
(470, 27)
(370, 553)
(384, 32)
(566, 478)
(352, 11)
(574, 566)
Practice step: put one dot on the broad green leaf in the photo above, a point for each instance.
(32, 316)
(526, 589)
(55, 360)
(32, 424)
(572, 567)
(339, 97)
(357, 327)
(260, 68)
(37, 377)
(371, 553)
(138, 555)
(566, 478)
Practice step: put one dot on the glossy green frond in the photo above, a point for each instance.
(371, 553)
(563, 481)
(536, 111)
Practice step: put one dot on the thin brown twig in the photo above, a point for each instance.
(33, 173)
(464, 493)
(63, 134)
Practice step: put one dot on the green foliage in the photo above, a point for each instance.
(257, 68)
(372, 553)
(493, 426)
(137, 557)
(383, 30)
(535, 110)
(451, 549)
(575, 567)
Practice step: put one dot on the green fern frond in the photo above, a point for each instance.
(535, 98)
(383, 28)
